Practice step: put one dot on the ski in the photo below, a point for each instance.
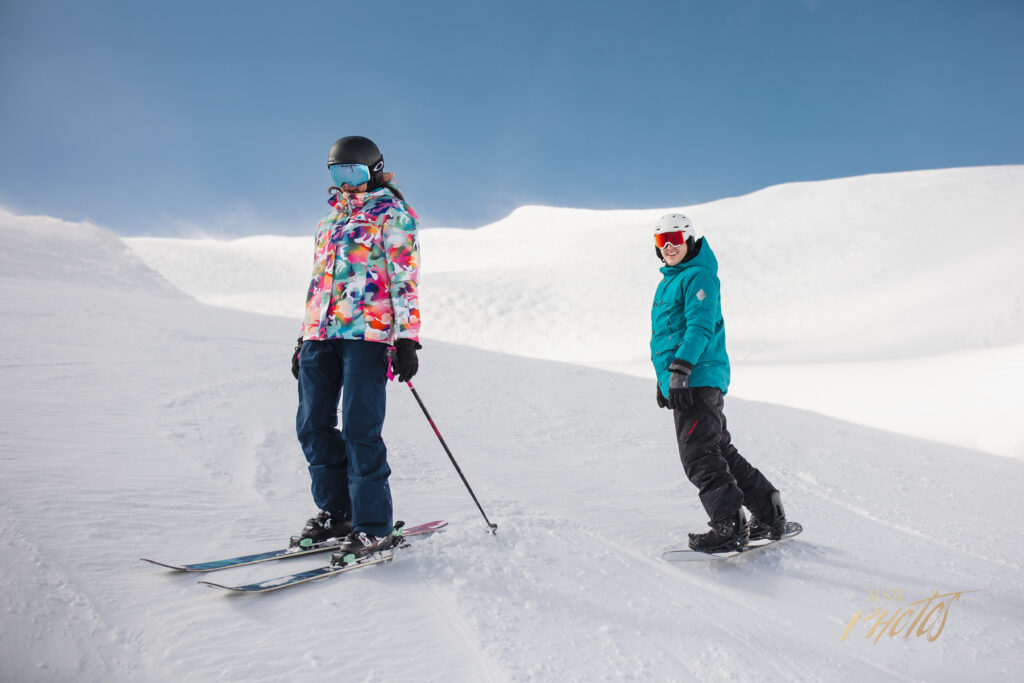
(688, 555)
(280, 582)
(294, 550)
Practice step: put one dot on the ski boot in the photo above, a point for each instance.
(359, 544)
(321, 528)
(727, 535)
(773, 524)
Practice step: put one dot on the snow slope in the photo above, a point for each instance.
(864, 268)
(137, 422)
(822, 281)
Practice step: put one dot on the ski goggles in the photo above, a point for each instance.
(352, 175)
(676, 238)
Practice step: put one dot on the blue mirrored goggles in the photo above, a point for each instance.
(353, 175)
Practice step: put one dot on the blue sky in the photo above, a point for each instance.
(162, 118)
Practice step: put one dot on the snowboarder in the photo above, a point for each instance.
(689, 356)
(362, 298)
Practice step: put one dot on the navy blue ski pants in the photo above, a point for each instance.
(349, 467)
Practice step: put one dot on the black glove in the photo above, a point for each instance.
(295, 358)
(680, 396)
(662, 401)
(406, 364)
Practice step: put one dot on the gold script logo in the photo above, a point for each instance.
(925, 617)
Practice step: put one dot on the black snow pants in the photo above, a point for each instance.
(724, 478)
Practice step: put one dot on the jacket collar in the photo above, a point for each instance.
(343, 201)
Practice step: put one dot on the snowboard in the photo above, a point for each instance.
(688, 555)
(283, 553)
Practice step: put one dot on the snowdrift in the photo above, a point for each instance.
(875, 267)
(137, 422)
(825, 284)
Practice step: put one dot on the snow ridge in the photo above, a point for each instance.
(138, 422)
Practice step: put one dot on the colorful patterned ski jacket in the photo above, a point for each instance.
(365, 270)
(686, 322)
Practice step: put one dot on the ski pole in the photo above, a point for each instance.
(490, 527)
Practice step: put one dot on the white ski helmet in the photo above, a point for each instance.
(675, 222)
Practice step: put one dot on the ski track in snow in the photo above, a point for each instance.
(137, 422)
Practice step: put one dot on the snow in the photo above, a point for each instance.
(823, 284)
(138, 422)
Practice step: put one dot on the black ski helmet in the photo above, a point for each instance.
(355, 149)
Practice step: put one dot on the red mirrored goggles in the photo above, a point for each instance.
(676, 238)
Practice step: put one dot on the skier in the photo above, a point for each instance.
(362, 298)
(689, 356)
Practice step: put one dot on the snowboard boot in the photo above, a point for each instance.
(727, 534)
(773, 524)
(359, 544)
(321, 528)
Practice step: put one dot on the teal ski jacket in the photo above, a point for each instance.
(686, 322)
